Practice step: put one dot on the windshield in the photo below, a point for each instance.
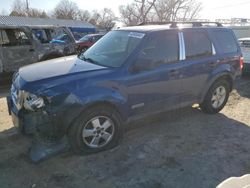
(113, 49)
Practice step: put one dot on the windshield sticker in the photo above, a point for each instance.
(136, 35)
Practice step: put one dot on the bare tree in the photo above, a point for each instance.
(174, 10)
(136, 12)
(20, 8)
(159, 10)
(106, 19)
(66, 9)
(84, 15)
(35, 13)
(191, 12)
(128, 15)
(95, 17)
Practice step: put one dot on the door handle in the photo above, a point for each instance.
(31, 50)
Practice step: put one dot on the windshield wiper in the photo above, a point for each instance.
(88, 59)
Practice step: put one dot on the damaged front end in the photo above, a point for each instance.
(41, 118)
(46, 98)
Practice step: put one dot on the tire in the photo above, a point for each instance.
(86, 135)
(215, 100)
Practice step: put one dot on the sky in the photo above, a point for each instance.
(211, 9)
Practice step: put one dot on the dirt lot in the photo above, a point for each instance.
(181, 149)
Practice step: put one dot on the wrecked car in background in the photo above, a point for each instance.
(49, 36)
(129, 74)
(20, 46)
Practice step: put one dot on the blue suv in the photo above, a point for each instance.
(130, 73)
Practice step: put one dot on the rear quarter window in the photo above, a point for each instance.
(226, 41)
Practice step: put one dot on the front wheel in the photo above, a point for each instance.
(97, 129)
(216, 97)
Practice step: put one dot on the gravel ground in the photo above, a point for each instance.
(180, 149)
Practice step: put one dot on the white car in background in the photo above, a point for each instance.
(245, 48)
(236, 182)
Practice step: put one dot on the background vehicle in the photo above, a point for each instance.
(21, 46)
(59, 38)
(131, 73)
(245, 48)
(87, 41)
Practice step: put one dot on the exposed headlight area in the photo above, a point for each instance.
(28, 101)
(32, 102)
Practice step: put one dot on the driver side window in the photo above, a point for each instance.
(160, 49)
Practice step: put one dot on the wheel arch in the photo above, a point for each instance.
(222, 76)
(103, 103)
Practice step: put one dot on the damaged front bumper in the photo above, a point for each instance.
(44, 128)
(30, 123)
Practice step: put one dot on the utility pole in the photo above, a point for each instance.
(27, 5)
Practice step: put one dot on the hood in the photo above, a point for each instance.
(56, 67)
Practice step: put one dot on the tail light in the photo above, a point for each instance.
(241, 63)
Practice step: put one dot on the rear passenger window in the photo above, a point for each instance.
(160, 49)
(226, 41)
(197, 45)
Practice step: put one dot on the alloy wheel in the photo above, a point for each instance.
(218, 97)
(98, 132)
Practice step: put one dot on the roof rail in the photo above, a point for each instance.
(175, 24)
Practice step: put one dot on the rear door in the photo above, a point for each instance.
(199, 62)
(17, 49)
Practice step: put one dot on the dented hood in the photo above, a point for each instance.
(56, 67)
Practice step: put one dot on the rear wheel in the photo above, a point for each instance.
(216, 97)
(97, 129)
